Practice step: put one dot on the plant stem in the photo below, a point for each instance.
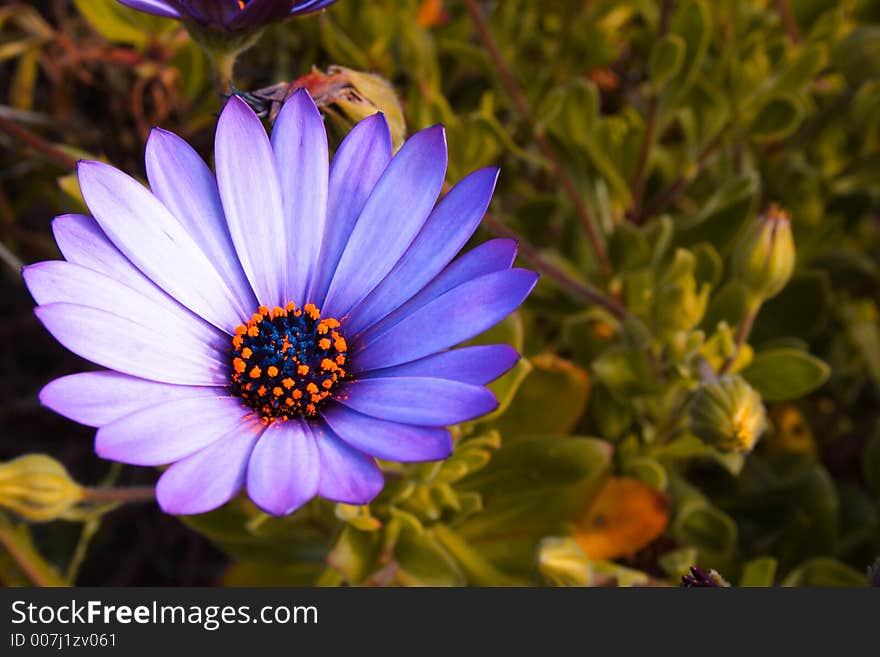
(121, 495)
(742, 335)
(641, 174)
(8, 257)
(788, 22)
(531, 254)
(525, 110)
(664, 198)
(37, 143)
(224, 69)
(89, 529)
(22, 551)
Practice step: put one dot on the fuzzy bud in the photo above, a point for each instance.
(765, 256)
(366, 94)
(728, 414)
(38, 488)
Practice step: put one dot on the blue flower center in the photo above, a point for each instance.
(287, 361)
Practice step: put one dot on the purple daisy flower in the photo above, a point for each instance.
(229, 14)
(282, 325)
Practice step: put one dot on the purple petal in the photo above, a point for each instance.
(156, 7)
(57, 281)
(210, 12)
(418, 400)
(260, 12)
(300, 144)
(357, 165)
(121, 344)
(451, 318)
(209, 478)
(491, 256)
(392, 217)
(156, 243)
(99, 398)
(445, 232)
(251, 194)
(301, 8)
(347, 475)
(284, 468)
(167, 432)
(83, 243)
(393, 441)
(477, 365)
(180, 178)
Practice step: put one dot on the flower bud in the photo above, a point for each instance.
(366, 94)
(346, 96)
(728, 414)
(562, 562)
(764, 258)
(38, 488)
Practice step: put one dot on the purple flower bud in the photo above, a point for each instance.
(231, 15)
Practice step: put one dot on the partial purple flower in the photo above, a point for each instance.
(699, 578)
(280, 326)
(232, 15)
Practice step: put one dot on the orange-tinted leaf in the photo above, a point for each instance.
(625, 517)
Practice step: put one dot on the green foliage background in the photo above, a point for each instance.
(676, 122)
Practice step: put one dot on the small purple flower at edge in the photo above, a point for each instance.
(699, 578)
(283, 324)
(230, 15)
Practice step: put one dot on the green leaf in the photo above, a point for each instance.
(824, 572)
(423, 562)
(244, 532)
(800, 310)
(507, 387)
(777, 118)
(692, 23)
(571, 112)
(705, 527)
(355, 553)
(709, 265)
(120, 24)
(728, 306)
(723, 214)
(626, 371)
(478, 569)
(667, 56)
(244, 573)
(759, 572)
(648, 471)
(551, 399)
(536, 485)
(781, 374)
(677, 562)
